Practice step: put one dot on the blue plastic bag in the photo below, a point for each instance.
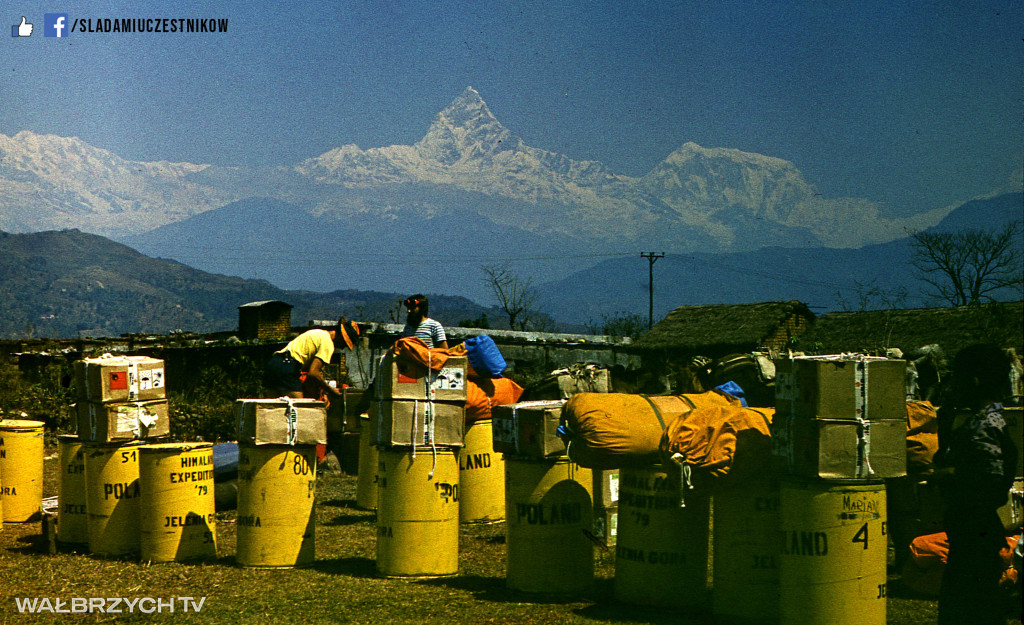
(484, 356)
(731, 388)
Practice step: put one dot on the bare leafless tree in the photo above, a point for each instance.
(515, 294)
(968, 266)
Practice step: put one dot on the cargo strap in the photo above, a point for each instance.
(133, 380)
(515, 428)
(291, 416)
(428, 431)
(685, 477)
(864, 448)
(657, 413)
(380, 397)
(685, 470)
(860, 390)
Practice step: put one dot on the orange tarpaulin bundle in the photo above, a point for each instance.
(922, 572)
(709, 438)
(922, 436)
(615, 430)
(414, 350)
(483, 394)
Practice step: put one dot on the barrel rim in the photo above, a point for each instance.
(152, 448)
(16, 425)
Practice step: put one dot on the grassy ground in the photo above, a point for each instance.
(341, 586)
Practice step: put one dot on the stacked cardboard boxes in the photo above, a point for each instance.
(417, 406)
(840, 417)
(121, 398)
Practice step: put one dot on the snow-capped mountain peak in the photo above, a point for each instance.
(466, 129)
(467, 160)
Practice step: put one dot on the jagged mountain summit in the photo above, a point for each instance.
(466, 163)
(50, 182)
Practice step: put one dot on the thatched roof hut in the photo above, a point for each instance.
(718, 330)
(951, 328)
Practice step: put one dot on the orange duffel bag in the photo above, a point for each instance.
(483, 394)
(714, 438)
(615, 430)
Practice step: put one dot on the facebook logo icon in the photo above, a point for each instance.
(55, 24)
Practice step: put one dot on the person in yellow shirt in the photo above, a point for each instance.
(307, 353)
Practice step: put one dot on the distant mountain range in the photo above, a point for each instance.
(426, 217)
(469, 185)
(871, 277)
(66, 283)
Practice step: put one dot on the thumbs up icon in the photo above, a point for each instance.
(21, 30)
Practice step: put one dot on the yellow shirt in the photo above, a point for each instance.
(309, 345)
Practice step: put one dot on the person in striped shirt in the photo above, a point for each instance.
(418, 324)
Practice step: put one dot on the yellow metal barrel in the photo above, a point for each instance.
(276, 493)
(549, 513)
(661, 555)
(834, 545)
(177, 513)
(112, 497)
(481, 476)
(745, 541)
(418, 512)
(366, 480)
(72, 513)
(21, 469)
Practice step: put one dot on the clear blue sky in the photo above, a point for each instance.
(914, 104)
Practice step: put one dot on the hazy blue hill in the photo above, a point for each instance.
(409, 239)
(983, 214)
(826, 279)
(57, 283)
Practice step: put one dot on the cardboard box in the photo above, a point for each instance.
(589, 379)
(341, 414)
(117, 421)
(606, 488)
(404, 423)
(835, 448)
(528, 428)
(841, 387)
(267, 422)
(784, 389)
(400, 379)
(120, 378)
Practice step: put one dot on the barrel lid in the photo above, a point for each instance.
(174, 447)
(19, 424)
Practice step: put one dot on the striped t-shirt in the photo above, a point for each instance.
(429, 331)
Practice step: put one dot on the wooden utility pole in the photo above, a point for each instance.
(651, 258)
